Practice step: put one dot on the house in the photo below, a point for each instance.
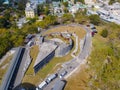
(30, 10)
(38, 1)
(6, 2)
(21, 22)
(90, 2)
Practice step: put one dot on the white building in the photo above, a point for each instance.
(30, 10)
(90, 2)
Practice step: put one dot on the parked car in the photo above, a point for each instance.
(51, 77)
(30, 43)
(63, 74)
(42, 85)
(94, 30)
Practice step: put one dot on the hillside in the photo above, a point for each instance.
(103, 66)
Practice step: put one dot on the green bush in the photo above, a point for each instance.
(94, 19)
(104, 33)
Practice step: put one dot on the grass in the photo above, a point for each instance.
(58, 36)
(104, 62)
(55, 63)
(3, 71)
(72, 29)
(78, 81)
(49, 68)
(33, 53)
(77, 29)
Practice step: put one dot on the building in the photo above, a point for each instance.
(6, 2)
(90, 2)
(110, 13)
(38, 1)
(30, 10)
(10, 77)
(47, 52)
(21, 22)
(78, 6)
(72, 1)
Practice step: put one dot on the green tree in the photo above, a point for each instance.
(3, 23)
(66, 10)
(80, 17)
(112, 1)
(67, 17)
(50, 20)
(65, 4)
(104, 33)
(40, 8)
(82, 1)
(46, 11)
(94, 19)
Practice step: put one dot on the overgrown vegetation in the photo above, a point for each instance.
(113, 1)
(81, 17)
(94, 19)
(105, 59)
(104, 33)
(103, 65)
(78, 81)
(4, 66)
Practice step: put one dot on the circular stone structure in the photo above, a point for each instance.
(60, 39)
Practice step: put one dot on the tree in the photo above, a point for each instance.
(40, 8)
(42, 24)
(82, 1)
(104, 33)
(67, 17)
(65, 4)
(21, 4)
(50, 20)
(66, 10)
(94, 19)
(46, 11)
(113, 1)
(80, 17)
(4, 23)
(43, 9)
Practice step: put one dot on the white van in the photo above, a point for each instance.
(42, 85)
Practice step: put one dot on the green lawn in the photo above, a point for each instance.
(33, 53)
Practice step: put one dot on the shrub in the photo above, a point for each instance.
(94, 19)
(104, 33)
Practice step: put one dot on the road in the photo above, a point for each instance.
(72, 65)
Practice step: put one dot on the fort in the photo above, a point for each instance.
(53, 45)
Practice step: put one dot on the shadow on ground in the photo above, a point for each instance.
(25, 86)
